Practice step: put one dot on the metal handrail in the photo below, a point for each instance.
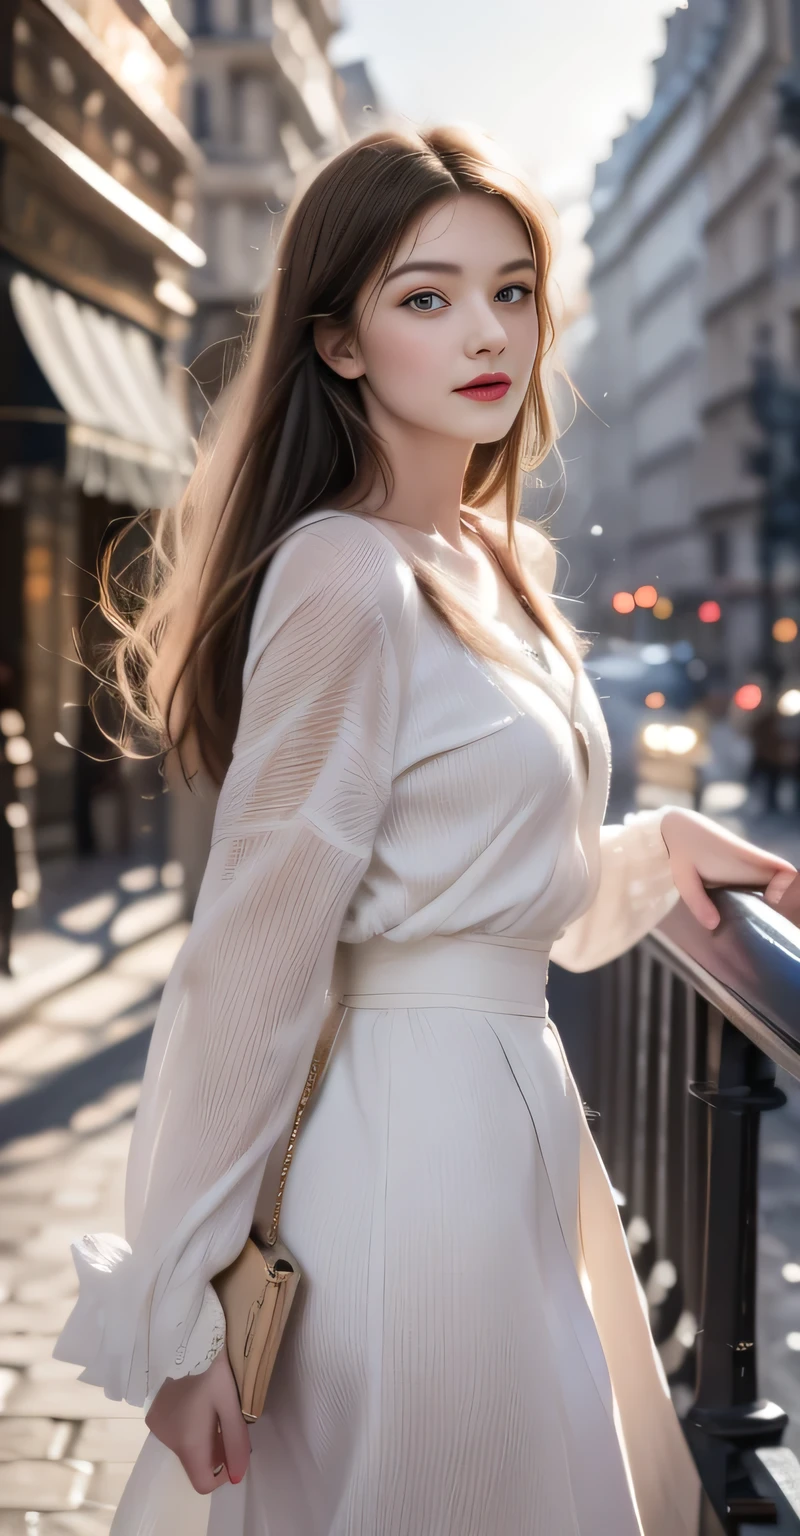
(749, 967)
(687, 1033)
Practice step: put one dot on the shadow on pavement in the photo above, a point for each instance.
(52, 1104)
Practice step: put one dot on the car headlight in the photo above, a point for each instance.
(677, 740)
(655, 736)
(681, 739)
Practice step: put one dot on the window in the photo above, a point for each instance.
(720, 552)
(794, 322)
(201, 110)
(237, 105)
(202, 18)
(770, 235)
(794, 17)
(796, 214)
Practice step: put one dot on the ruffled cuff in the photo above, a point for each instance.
(97, 1333)
(205, 1340)
(651, 886)
(108, 1331)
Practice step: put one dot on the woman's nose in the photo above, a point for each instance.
(486, 331)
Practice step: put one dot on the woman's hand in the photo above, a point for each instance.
(200, 1419)
(702, 854)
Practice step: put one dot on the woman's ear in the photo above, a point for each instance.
(338, 348)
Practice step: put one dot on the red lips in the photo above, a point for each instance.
(485, 378)
(487, 386)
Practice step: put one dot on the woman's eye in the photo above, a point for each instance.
(513, 293)
(424, 303)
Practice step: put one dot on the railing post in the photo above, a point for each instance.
(727, 1416)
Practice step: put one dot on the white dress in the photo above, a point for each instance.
(469, 1353)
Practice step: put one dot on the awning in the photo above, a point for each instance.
(126, 435)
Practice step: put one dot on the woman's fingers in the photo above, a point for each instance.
(704, 854)
(779, 885)
(695, 896)
(219, 1470)
(234, 1437)
(200, 1452)
(235, 1441)
(187, 1415)
(731, 862)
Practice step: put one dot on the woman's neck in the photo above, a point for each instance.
(427, 478)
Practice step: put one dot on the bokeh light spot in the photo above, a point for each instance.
(664, 608)
(622, 602)
(789, 702)
(18, 750)
(655, 701)
(645, 597)
(709, 613)
(11, 722)
(784, 630)
(749, 696)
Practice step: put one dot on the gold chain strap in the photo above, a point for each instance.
(321, 1054)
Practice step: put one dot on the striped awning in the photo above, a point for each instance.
(127, 438)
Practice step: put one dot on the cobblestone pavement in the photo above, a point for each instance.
(69, 1082)
(71, 1058)
(778, 1338)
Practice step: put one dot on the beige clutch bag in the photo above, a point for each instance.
(258, 1288)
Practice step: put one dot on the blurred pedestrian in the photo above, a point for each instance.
(8, 854)
(774, 755)
(102, 799)
(791, 732)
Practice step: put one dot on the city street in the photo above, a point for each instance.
(69, 1073)
(77, 1019)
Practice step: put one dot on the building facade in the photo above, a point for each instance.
(752, 302)
(264, 104)
(95, 213)
(643, 370)
(695, 236)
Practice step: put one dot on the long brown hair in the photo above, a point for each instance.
(292, 437)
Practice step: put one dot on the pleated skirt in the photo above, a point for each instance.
(469, 1352)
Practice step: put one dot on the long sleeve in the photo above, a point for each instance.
(240, 1016)
(634, 892)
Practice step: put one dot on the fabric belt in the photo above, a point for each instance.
(460, 971)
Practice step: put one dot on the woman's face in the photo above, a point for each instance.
(457, 306)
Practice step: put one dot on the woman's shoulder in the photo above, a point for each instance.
(342, 563)
(537, 553)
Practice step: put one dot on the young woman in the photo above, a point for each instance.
(352, 631)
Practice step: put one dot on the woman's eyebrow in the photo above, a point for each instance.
(449, 266)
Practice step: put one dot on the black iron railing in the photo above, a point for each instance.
(679, 1063)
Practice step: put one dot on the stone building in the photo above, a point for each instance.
(752, 298)
(263, 103)
(95, 213)
(361, 106)
(642, 372)
(695, 236)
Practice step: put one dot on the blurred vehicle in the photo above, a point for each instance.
(773, 730)
(652, 700)
(672, 753)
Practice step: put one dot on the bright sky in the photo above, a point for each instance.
(552, 79)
